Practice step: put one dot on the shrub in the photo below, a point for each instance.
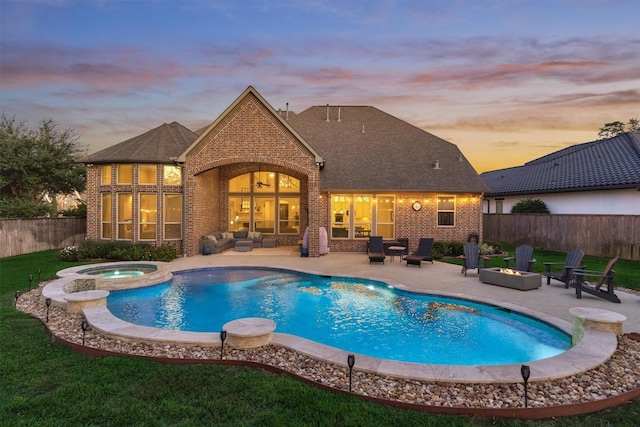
(442, 249)
(164, 253)
(120, 251)
(457, 248)
(530, 206)
(487, 249)
(69, 254)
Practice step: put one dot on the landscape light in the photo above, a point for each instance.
(526, 373)
(84, 325)
(30, 280)
(223, 336)
(48, 303)
(15, 302)
(351, 360)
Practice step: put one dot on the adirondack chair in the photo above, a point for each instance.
(595, 288)
(471, 258)
(524, 259)
(572, 262)
(376, 249)
(422, 254)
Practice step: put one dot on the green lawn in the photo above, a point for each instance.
(46, 384)
(627, 273)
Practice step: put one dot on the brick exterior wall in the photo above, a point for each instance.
(94, 193)
(423, 223)
(247, 138)
(251, 138)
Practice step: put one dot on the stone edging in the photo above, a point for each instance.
(516, 413)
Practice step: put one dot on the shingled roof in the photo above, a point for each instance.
(365, 148)
(605, 164)
(159, 145)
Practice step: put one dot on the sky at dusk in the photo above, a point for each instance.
(507, 81)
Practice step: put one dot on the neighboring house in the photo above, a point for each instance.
(599, 177)
(356, 171)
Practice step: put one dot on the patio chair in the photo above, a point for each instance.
(524, 259)
(376, 249)
(422, 254)
(595, 288)
(571, 263)
(471, 258)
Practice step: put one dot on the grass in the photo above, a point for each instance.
(627, 273)
(46, 384)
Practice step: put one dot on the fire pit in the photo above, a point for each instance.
(508, 278)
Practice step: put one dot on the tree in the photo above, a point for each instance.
(609, 130)
(530, 206)
(34, 162)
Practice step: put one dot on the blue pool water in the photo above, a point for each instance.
(355, 315)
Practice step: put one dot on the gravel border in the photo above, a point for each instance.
(617, 376)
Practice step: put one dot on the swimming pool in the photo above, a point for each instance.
(357, 315)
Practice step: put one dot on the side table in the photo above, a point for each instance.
(397, 250)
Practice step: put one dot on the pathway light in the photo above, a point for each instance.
(223, 336)
(48, 303)
(351, 360)
(526, 373)
(84, 325)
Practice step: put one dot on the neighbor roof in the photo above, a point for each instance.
(604, 164)
(365, 148)
(160, 145)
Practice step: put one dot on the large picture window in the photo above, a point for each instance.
(172, 175)
(446, 211)
(172, 216)
(385, 216)
(362, 215)
(363, 210)
(147, 174)
(125, 213)
(264, 201)
(106, 216)
(125, 174)
(148, 214)
(340, 209)
(105, 175)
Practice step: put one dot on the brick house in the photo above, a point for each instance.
(354, 170)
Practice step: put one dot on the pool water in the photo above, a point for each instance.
(119, 272)
(355, 315)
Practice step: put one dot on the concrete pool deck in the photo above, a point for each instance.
(549, 303)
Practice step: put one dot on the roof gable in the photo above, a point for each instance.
(159, 145)
(366, 148)
(250, 91)
(602, 164)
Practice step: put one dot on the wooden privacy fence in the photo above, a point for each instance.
(23, 236)
(599, 235)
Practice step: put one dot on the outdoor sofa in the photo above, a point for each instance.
(220, 241)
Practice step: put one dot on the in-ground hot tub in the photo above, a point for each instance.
(120, 271)
(120, 275)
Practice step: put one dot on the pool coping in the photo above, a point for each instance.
(595, 348)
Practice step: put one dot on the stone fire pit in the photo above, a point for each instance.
(514, 279)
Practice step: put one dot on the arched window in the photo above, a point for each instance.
(264, 201)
